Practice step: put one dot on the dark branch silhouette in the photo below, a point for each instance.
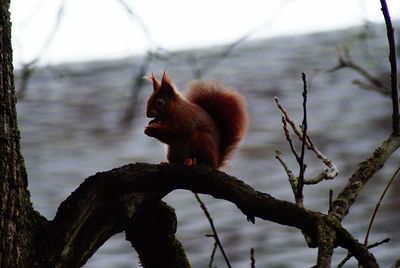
(107, 202)
(393, 68)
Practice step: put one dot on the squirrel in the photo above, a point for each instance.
(202, 127)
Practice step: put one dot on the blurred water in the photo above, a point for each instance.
(70, 129)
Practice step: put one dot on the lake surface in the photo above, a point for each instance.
(70, 125)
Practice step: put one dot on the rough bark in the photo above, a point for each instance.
(361, 176)
(122, 192)
(18, 221)
(104, 205)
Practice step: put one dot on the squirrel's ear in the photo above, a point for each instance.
(167, 83)
(154, 80)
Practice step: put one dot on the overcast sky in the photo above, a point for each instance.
(104, 29)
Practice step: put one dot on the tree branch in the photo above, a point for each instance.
(393, 68)
(152, 234)
(303, 141)
(100, 208)
(361, 176)
(109, 202)
(345, 61)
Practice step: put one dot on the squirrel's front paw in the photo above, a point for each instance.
(150, 130)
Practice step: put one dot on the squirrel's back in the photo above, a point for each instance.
(226, 107)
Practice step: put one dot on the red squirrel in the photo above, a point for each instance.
(204, 126)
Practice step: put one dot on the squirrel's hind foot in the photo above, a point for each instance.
(190, 162)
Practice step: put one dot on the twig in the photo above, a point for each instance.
(331, 172)
(303, 142)
(215, 234)
(293, 180)
(279, 156)
(289, 120)
(349, 255)
(136, 87)
(345, 61)
(330, 199)
(252, 258)
(378, 206)
(29, 68)
(138, 19)
(214, 60)
(288, 138)
(393, 68)
(213, 254)
(385, 91)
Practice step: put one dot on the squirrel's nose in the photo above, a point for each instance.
(151, 113)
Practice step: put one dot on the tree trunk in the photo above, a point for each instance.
(17, 218)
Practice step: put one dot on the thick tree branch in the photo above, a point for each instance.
(152, 234)
(110, 201)
(326, 242)
(100, 208)
(361, 176)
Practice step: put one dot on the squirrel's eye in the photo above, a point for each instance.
(159, 103)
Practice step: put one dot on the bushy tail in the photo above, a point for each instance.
(226, 107)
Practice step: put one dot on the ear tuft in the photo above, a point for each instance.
(166, 81)
(154, 80)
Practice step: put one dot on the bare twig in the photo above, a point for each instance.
(288, 138)
(378, 206)
(292, 178)
(279, 156)
(215, 59)
(138, 19)
(137, 85)
(213, 254)
(329, 173)
(393, 68)
(345, 61)
(289, 120)
(214, 230)
(385, 91)
(252, 258)
(300, 160)
(28, 69)
(349, 255)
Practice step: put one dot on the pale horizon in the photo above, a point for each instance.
(111, 32)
